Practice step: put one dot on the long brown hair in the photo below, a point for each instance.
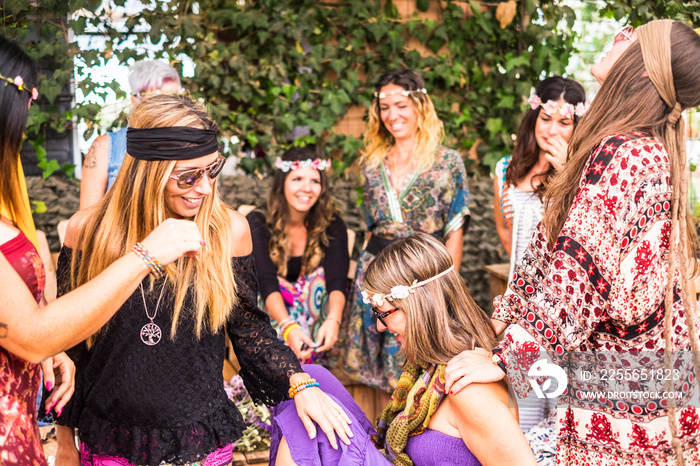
(316, 221)
(651, 97)
(13, 121)
(526, 152)
(377, 138)
(442, 319)
(135, 206)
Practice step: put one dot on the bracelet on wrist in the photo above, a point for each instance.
(302, 385)
(154, 266)
(287, 331)
(333, 319)
(282, 324)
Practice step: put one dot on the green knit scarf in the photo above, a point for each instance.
(413, 403)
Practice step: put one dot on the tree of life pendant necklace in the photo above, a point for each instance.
(150, 333)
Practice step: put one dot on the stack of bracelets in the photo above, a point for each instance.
(299, 386)
(286, 326)
(153, 265)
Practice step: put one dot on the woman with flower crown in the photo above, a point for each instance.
(415, 292)
(410, 183)
(300, 245)
(540, 150)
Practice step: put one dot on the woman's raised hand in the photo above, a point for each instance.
(556, 152)
(473, 366)
(172, 239)
(327, 334)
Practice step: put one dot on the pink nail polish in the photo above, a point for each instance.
(59, 412)
(49, 385)
(49, 407)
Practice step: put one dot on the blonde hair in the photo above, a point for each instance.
(379, 141)
(135, 206)
(442, 319)
(668, 52)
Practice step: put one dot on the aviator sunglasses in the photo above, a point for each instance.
(189, 178)
(382, 315)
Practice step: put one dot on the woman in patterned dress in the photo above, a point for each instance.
(410, 183)
(300, 245)
(604, 285)
(30, 334)
(519, 183)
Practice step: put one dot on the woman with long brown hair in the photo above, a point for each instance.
(604, 285)
(416, 293)
(410, 183)
(300, 245)
(30, 334)
(149, 386)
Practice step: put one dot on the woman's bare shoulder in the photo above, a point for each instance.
(76, 224)
(241, 241)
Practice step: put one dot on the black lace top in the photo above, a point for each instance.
(166, 402)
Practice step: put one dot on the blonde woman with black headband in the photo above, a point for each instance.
(149, 386)
(30, 334)
(604, 286)
(410, 183)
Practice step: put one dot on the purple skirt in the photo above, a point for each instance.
(318, 451)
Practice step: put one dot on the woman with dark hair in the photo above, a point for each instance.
(540, 150)
(416, 293)
(149, 386)
(30, 334)
(410, 183)
(300, 245)
(604, 286)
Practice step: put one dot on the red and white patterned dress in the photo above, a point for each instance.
(596, 301)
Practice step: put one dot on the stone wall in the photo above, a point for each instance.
(481, 244)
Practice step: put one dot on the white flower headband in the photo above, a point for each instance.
(405, 93)
(18, 82)
(316, 164)
(400, 291)
(551, 107)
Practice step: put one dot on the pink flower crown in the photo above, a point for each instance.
(19, 83)
(551, 107)
(288, 165)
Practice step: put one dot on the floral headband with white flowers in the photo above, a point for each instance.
(405, 93)
(400, 291)
(287, 165)
(551, 107)
(19, 83)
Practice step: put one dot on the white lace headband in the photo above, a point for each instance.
(401, 291)
(405, 93)
(288, 165)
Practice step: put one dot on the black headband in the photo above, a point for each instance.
(171, 143)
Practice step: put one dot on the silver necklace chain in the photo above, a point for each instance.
(151, 333)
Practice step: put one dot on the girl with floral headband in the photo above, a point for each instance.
(300, 245)
(416, 293)
(410, 183)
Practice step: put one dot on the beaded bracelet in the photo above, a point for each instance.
(153, 265)
(287, 330)
(299, 386)
(282, 324)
